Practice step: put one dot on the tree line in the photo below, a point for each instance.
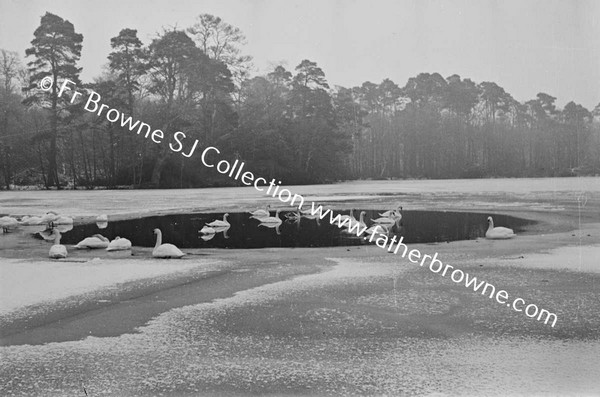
(289, 125)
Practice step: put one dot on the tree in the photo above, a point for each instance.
(56, 49)
(10, 66)
(129, 62)
(221, 42)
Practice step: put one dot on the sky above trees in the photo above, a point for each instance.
(525, 46)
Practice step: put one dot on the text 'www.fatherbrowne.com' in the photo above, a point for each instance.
(93, 105)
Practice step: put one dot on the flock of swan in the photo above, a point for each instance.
(54, 224)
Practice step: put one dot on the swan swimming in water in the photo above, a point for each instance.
(119, 244)
(272, 219)
(95, 241)
(261, 213)
(384, 221)
(348, 218)
(165, 250)
(219, 223)
(58, 250)
(208, 230)
(498, 232)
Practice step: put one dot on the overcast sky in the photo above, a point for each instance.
(524, 46)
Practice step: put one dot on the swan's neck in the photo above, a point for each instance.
(362, 217)
(57, 239)
(491, 224)
(351, 213)
(225, 218)
(158, 239)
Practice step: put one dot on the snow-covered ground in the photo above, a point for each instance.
(24, 283)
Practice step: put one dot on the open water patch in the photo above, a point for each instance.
(183, 230)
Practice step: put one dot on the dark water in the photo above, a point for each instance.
(183, 230)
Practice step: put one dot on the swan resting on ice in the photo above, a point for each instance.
(498, 232)
(57, 251)
(119, 244)
(165, 250)
(95, 241)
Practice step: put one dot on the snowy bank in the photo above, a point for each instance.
(24, 283)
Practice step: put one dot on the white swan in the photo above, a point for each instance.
(272, 226)
(498, 232)
(348, 218)
(394, 214)
(119, 244)
(384, 221)
(49, 217)
(48, 234)
(63, 220)
(58, 250)
(272, 219)
(207, 237)
(390, 213)
(379, 229)
(208, 230)
(8, 222)
(351, 228)
(361, 220)
(95, 241)
(261, 213)
(102, 218)
(219, 223)
(64, 228)
(165, 250)
(31, 220)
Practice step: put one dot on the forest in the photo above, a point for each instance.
(287, 124)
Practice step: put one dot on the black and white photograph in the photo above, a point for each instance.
(299, 198)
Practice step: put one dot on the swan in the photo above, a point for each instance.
(58, 250)
(102, 218)
(361, 220)
(8, 222)
(272, 219)
(221, 229)
(379, 229)
(165, 250)
(119, 244)
(63, 228)
(390, 213)
(394, 214)
(384, 221)
(48, 234)
(31, 220)
(63, 220)
(207, 230)
(272, 226)
(349, 218)
(498, 232)
(352, 229)
(218, 223)
(49, 217)
(95, 241)
(261, 213)
(293, 217)
(207, 237)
